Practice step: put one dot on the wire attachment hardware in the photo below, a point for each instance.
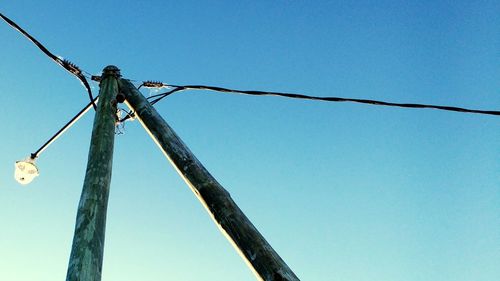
(71, 67)
(153, 84)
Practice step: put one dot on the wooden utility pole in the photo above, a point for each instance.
(85, 263)
(259, 255)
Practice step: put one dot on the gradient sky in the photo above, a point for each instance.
(342, 191)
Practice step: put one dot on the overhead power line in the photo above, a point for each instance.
(77, 72)
(70, 67)
(178, 88)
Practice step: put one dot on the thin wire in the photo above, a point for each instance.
(120, 126)
(158, 97)
(330, 99)
(163, 95)
(70, 67)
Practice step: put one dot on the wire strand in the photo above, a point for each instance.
(164, 95)
(329, 99)
(158, 97)
(70, 67)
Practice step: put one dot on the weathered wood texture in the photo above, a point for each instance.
(256, 251)
(86, 258)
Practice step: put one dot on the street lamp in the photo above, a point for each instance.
(26, 171)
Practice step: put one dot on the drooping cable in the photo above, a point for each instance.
(70, 67)
(330, 99)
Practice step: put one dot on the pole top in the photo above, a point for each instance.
(111, 70)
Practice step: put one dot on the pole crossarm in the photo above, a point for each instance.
(252, 246)
(87, 251)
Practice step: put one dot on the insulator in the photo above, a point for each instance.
(153, 84)
(71, 67)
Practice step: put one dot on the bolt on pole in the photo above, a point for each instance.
(252, 246)
(85, 263)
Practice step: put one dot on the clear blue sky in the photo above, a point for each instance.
(342, 191)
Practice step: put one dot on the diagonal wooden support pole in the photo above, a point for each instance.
(85, 263)
(259, 255)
